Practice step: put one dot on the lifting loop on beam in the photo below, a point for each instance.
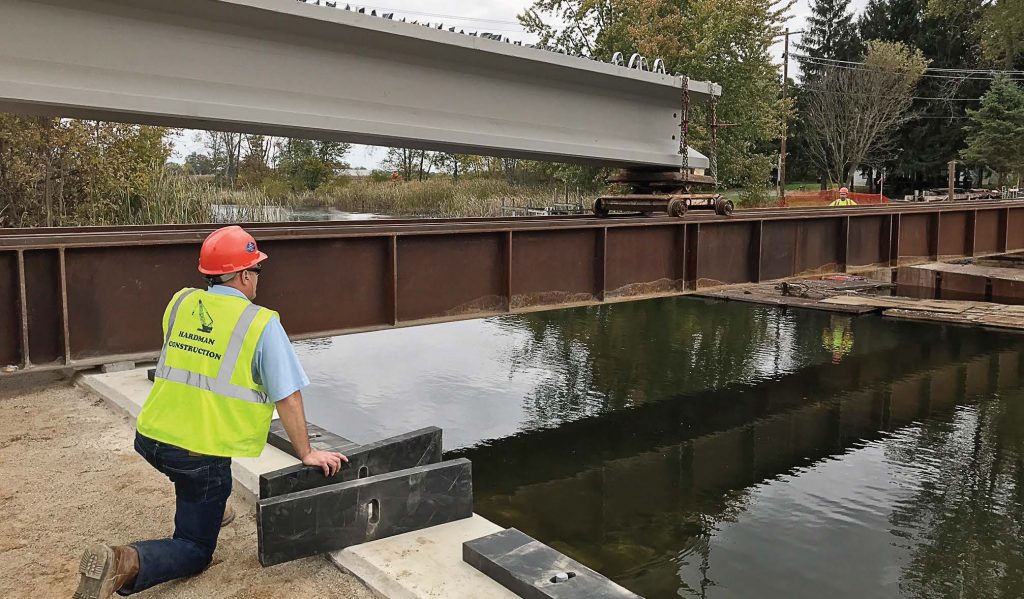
(636, 61)
(618, 59)
(659, 66)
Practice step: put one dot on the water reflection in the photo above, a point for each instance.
(232, 213)
(686, 448)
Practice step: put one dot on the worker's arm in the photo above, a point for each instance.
(293, 417)
(282, 375)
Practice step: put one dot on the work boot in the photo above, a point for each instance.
(106, 570)
(229, 515)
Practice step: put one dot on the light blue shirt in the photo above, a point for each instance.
(275, 364)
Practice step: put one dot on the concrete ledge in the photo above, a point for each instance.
(424, 563)
(126, 391)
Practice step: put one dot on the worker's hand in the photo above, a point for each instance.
(328, 461)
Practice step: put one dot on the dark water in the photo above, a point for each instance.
(696, 449)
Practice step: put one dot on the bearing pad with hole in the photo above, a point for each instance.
(337, 516)
(533, 570)
(418, 448)
(320, 439)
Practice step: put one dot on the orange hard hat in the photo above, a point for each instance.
(227, 250)
(844, 190)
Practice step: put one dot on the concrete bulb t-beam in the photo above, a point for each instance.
(292, 69)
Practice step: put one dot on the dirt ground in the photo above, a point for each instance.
(69, 477)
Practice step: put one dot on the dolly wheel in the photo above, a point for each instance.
(677, 208)
(599, 210)
(723, 207)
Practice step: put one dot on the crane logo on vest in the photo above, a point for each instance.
(205, 320)
(205, 326)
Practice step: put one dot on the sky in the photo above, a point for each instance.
(493, 16)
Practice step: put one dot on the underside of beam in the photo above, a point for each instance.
(292, 69)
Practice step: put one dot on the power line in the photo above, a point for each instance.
(823, 59)
(860, 66)
(930, 76)
(935, 98)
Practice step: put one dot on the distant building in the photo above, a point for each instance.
(355, 173)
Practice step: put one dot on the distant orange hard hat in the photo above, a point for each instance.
(844, 190)
(227, 250)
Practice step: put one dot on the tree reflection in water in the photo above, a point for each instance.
(665, 418)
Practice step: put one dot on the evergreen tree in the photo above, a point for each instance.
(996, 128)
(935, 134)
(892, 21)
(830, 34)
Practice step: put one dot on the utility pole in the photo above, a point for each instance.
(785, 117)
(785, 122)
(952, 180)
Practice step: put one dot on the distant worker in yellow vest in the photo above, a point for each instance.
(844, 198)
(838, 338)
(225, 364)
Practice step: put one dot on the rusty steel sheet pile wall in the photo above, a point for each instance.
(80, 297)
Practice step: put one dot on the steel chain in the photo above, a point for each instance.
(714, 137)
(684, 126)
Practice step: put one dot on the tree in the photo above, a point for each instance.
(255, 169)
(1000, 30)
(726, 41)
(57, 172)
(831, 35)
(996, 128)
(332, 153)
(457, 164)
(934, 135)
(225, 150)
(309, 164)
(852, 114)
(260, 149)
(199, 164)
(402, 161)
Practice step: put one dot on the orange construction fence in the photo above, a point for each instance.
(824, 198)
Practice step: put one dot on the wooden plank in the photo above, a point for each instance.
(946, 306)
(988, 317)
(785, 300)
(330, 518)
(922, 316)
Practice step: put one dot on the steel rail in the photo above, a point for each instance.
(37, 238)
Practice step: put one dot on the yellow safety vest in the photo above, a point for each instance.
(204, 397)
(843, 202)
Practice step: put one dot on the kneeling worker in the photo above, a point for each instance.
(844, 199)
(225, 364)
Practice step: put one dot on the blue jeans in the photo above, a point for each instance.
(202, 485)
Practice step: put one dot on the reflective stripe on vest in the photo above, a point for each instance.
(205, 396)
(221, 385)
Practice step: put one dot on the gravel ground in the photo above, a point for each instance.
(69, 477)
